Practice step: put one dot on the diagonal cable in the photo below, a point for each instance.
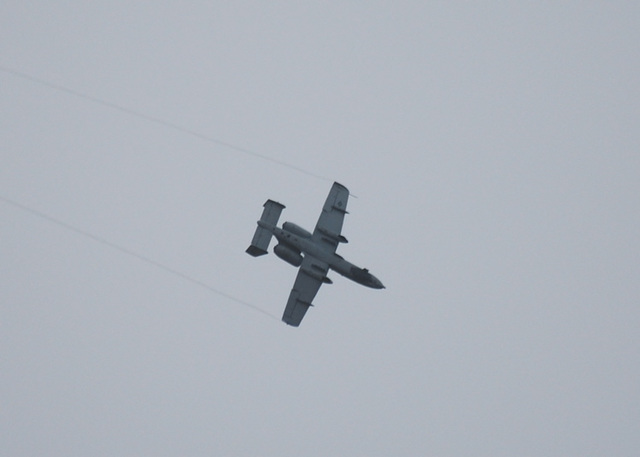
(131, 253)
(159, 121)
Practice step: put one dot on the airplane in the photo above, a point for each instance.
(319, 249)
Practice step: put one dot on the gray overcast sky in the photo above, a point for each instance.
(494, 148)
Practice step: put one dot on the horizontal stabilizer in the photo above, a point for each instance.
(263, 234)
(255, 251)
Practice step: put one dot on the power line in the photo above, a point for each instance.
(131, 253)
(158, 121)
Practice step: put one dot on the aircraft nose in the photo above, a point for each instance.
(378, 284)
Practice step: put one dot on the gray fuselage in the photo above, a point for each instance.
(308, 246)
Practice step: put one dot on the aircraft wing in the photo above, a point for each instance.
(310, 277)
(329, 224)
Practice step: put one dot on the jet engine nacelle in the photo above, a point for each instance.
(296, 230)
(288, 255)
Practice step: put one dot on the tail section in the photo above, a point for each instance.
(262, 237)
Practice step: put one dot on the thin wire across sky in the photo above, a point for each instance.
(158, 121)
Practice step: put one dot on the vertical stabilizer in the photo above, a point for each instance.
(262, 237)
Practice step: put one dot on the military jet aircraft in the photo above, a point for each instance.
(319, 251)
